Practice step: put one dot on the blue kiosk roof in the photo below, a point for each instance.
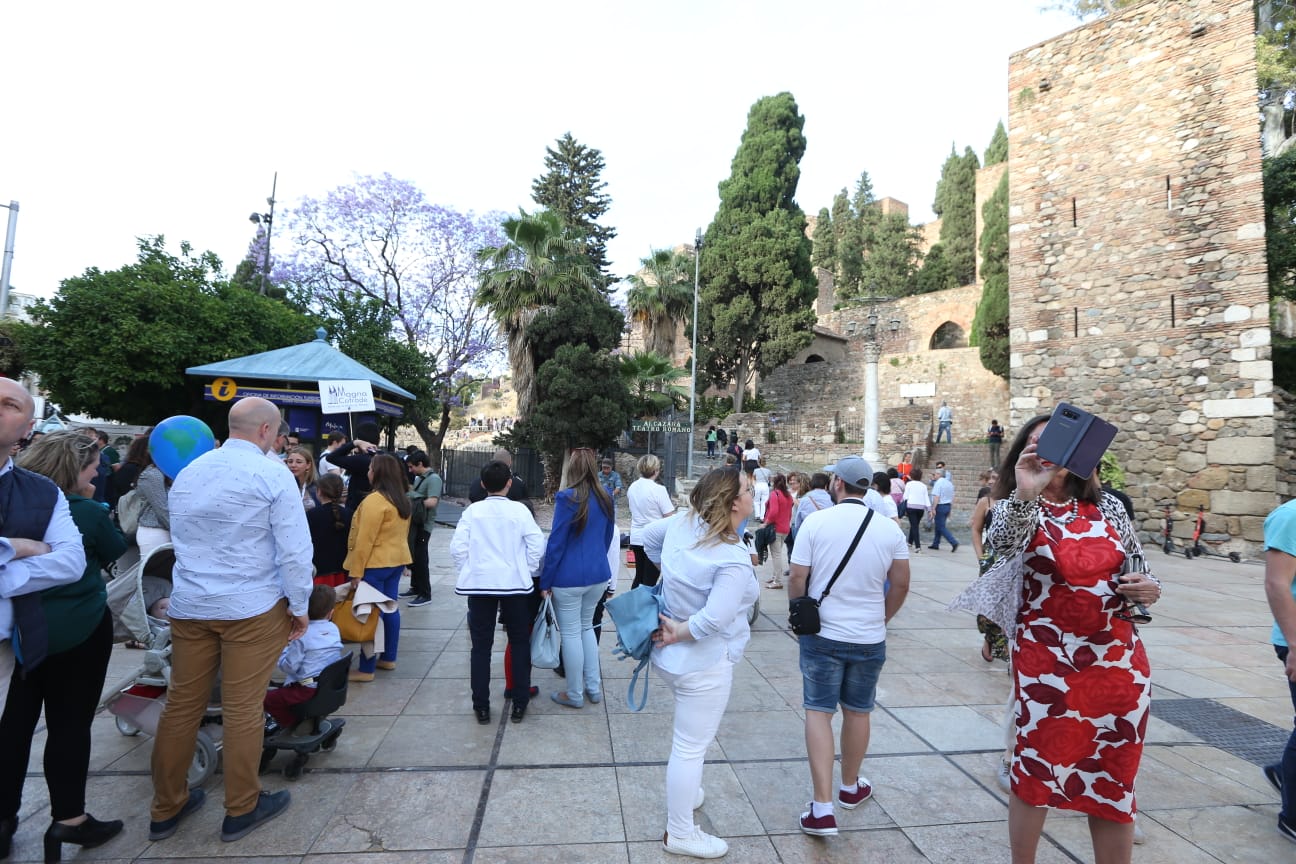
(311, 361)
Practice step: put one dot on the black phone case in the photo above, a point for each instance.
(1075, 439)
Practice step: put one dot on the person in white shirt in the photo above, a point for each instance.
(812, 501)
(761, 478)
(497, 548)
(750, 455)
(242, 584)
(649, 501)
(336, 440)
(841, 663)
(917, 502)
(942, 494)
(707, 586)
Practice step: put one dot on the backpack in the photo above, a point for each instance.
(129, 509)
(635, 614)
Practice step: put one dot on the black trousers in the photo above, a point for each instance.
(915, 518)
(646, 572)
(515, 610)
(67, 686)
(420, 580)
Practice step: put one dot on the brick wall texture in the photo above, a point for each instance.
(1137, 261)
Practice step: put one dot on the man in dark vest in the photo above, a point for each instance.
(40, 546)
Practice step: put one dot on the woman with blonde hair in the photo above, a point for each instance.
(576, 573)
(649, 501)
(302, 465)
(378, 550)
(707, 586)
(68, 682)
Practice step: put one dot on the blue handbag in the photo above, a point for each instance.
(635, 614)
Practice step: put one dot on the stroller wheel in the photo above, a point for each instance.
(329, 744)
(293, 770)
(204, 761)
(127, 728)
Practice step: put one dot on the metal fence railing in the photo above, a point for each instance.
(461, 467)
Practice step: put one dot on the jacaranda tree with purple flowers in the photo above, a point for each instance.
(379, 248)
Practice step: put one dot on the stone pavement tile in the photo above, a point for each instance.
(359, 741)
(383, 697)
(1169, 683)
(405, 811)
(951, 727)
(411, 664)
(1176, 635)
(772, 640)
(556, 805)
(1257, 656)
(926, 614)
(124, 798)
(922, 659)
(977, 842)
(888, 845)
(660, 700)
(929, 790)
(579, 737)
(1276, 711)
(1161, 732)
(886, 734)
(315, 801)
(440, 614)
(791, 688)
(987, 685)
(1164, 657)
(431, 741)
(1238, 835)
(727, 811)
(748, 850)
(752, 692)
(779, 791)
(589, 853)
(458, 664)
(423, 641)
(449, 696)
(259, 859)
(1163, 846)
(445, 856)
(1167, 780)
(982, 768)
(747, 735)
(646, 738)
(775, 663)
(1248, 681)
(1209, 762)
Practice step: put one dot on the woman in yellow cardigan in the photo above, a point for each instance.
(378, 550)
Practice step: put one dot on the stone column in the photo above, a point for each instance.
(871, 419)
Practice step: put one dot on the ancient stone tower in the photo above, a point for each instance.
(1137, 274)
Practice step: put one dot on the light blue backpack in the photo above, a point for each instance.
(635, 614)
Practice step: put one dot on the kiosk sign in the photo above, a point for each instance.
(345, 397)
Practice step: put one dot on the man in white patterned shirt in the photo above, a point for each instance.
(242, 583)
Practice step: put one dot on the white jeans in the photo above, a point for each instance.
(760, 497)
(700, 700)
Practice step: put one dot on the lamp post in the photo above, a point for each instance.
(12, 206)
(697, 270)
(268, 219)
(872, 353)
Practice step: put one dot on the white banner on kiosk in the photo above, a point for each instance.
(345, 397)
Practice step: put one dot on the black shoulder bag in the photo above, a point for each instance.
(803, 612)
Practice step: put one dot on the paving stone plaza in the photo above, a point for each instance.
(416, 779)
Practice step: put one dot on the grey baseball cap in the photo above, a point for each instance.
(852, 470)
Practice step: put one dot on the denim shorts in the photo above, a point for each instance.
(842, 673)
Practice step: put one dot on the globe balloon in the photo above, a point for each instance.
(177, 441)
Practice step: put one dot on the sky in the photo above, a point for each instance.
(131, 119)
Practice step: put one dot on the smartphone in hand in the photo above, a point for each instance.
(1075, 439)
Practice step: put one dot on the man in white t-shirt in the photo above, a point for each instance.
(840, 664)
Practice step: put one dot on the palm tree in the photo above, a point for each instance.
(662, 296)
(538, 266)
(650, 377)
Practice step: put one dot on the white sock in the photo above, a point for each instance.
(817, 809)
(851, 789)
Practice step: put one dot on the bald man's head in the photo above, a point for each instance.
(17, 414)
(502, 455)
(256, 420)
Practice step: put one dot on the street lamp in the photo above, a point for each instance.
(12, 207)
(268, 220)
(697, 270)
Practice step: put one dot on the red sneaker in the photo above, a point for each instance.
(851, 800)
(819, 826)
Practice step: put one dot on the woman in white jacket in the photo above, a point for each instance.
(917, 503)
(707, 585)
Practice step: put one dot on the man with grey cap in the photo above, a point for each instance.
(841, 663)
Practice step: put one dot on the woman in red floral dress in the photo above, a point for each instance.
(1081, 673)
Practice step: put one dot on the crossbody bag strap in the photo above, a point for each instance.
(849, 552)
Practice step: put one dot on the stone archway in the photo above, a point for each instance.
(814, 358)
(948, 335)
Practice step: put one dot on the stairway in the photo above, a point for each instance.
(966, 462)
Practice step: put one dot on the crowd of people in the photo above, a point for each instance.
(265, 547)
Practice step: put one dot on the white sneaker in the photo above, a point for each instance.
(1004, 776)
(700, 799)
(1139, 837)
(700, 845)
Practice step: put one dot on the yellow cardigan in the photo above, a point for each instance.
(379, 537)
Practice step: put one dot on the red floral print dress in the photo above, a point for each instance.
(1081, 674)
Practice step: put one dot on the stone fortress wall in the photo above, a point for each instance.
(1137, 260)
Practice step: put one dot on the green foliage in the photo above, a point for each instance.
(1083, 9)
(823, 241)
(758, 289)
(1284, 363)
(662, 297)
(575, 321)
(956, 205)
(582, 401)
(839, 435)
(891, 262)
(863, 199)
(708, 407)
(849, 244)
(997, 150)
(1280, 223)
(934, 275)
(1110, 471)
(573, 188)
(115, 344)
(990, 326)
(361, 328)
(771, 437)
(651, 378)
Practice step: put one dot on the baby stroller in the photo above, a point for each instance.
(315, 731)
(138, 700)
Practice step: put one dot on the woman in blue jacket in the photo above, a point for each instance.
(577, 573)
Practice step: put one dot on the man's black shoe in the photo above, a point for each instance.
(483, 715)
(519, 711)
(409, 593)
(269, 805)
(166, 827)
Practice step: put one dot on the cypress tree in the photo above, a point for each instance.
(956, 205)
(997, 150)
(934, 275)
(849, 247)
(990, 327)
(758, 287)
(891, 262)
(824, 242)
(572, 187)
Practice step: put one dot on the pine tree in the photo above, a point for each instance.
(891, 259)
(990, 327)
(572, 187)
(934, 274)
(757, 283)
(997, 150)
(824, 243)
(956, 205)
(849, 247)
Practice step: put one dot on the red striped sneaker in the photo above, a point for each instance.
(851, 800)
